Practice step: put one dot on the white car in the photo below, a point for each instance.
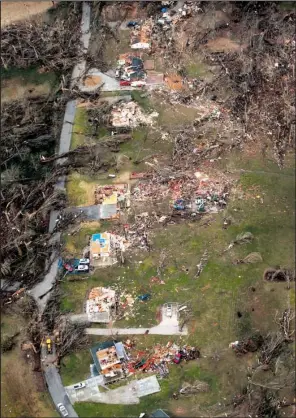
(62, 410)
(79, 386)
(169, 311)
(84, 261)
(138, 83)
(82, 267)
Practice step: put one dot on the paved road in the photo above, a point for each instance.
(66, 134)
(57, 390)
(64, 146)
(169, 325)
(79, 68)
(43, 287)
(51, 374)
(85, 26)
(79, 318)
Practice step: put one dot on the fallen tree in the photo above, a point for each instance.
(52, 47)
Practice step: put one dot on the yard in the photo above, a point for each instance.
(221, 291)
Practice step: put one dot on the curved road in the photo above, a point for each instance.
(51, 373)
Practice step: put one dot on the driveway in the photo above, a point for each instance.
(124, 395)
(158, 330)
(169, 325)
(109, 83)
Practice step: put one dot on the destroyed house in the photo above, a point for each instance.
(99, 305)
(100, 250)
(110, 199)
(104, 249)
(109, 358)
(141, 38)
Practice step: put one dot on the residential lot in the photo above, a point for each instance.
(175, 263)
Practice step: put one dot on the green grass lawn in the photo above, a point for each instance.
(29, 76)
(75, 367)
(80, 127)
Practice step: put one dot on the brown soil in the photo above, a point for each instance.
(113, 13)
(174, 82)
(21, 386)
(92, 81)
(223, 45)
(15, 89)
(14, 11)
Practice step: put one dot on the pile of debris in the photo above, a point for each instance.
(126, 304)
(130, 71)
(197, 387)
(130, 115)
(160, 357)
(279, 275)
(195, 193)
(141, 35)
(101, 304)
(251, 344)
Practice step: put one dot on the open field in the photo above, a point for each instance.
(14, 11)
(21, 84)
(23, 392)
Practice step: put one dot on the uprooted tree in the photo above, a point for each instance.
(51, 46)
(273, 372)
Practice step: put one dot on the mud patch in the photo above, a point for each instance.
(92, 81)
(15, 89)
(223, 45)
(14, 11)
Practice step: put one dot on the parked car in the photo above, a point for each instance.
(125, 83)
(79, 386)
(62, 410)
(138, 83)
(131, 24)
(177, 358)
(84, 261)
(169, 310)
(82, 268)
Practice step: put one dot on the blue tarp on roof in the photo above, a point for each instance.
(96, 237)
